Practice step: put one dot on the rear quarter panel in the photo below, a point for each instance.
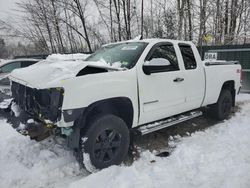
(216, 76)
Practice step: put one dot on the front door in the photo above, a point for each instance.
(161, 93)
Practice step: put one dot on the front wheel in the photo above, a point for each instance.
(105, 142)
(222, 109)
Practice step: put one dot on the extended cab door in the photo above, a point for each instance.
(194, 76)
(161, 92)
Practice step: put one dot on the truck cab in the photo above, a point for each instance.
(171, 88)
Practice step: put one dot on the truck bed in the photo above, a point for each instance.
(230, 72)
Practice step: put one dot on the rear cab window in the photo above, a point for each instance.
(188, 56)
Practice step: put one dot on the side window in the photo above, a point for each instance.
(10, 67)
(27, 63)
(188, 56)
(162, 53)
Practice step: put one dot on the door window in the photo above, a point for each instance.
(188, 56)
(164, 52)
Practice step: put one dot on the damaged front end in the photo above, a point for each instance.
(40, 110)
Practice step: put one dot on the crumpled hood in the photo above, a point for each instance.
(48, 73)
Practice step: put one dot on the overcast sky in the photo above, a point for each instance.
(7, 8)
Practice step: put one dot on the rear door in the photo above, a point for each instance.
(194, 76)
(161, 94)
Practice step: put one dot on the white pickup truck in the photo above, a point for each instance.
(133, 86)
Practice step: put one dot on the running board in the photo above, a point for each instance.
(148, 128)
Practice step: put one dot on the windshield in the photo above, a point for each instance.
(121, 55)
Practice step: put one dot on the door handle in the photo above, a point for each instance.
(178, 79)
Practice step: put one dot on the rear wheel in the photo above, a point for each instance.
(105, 142)
(222, 109)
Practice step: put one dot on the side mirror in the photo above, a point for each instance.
(156, 65)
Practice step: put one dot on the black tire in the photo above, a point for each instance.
(222, 109)
(106, 141)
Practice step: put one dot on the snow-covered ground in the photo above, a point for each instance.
(216, 157)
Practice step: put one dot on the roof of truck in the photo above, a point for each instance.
(152, 40)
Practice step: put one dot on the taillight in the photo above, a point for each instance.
(241, 75)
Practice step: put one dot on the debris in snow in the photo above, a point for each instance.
(194, 124)
(154, 152)
(21, 127)
(171, 144)
(47, 121)
(30, 121)
(84, 139)
(163, 154)
(177, 137)
(15, 109)
(171, 138)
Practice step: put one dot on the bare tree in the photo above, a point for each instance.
(82, 18)
(180, 9)
(202, 27)
(57, 27)
(189, 15)
(117, 13)
(142, 13)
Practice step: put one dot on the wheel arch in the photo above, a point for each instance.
(119, 106)
(229, 85)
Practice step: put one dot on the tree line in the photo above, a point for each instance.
(69, 26)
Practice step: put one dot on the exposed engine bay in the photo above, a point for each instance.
(45, 104)
(40, 109)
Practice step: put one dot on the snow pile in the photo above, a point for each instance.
(27, 163)
(217, 157)
(243, 97)
(65, 57)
